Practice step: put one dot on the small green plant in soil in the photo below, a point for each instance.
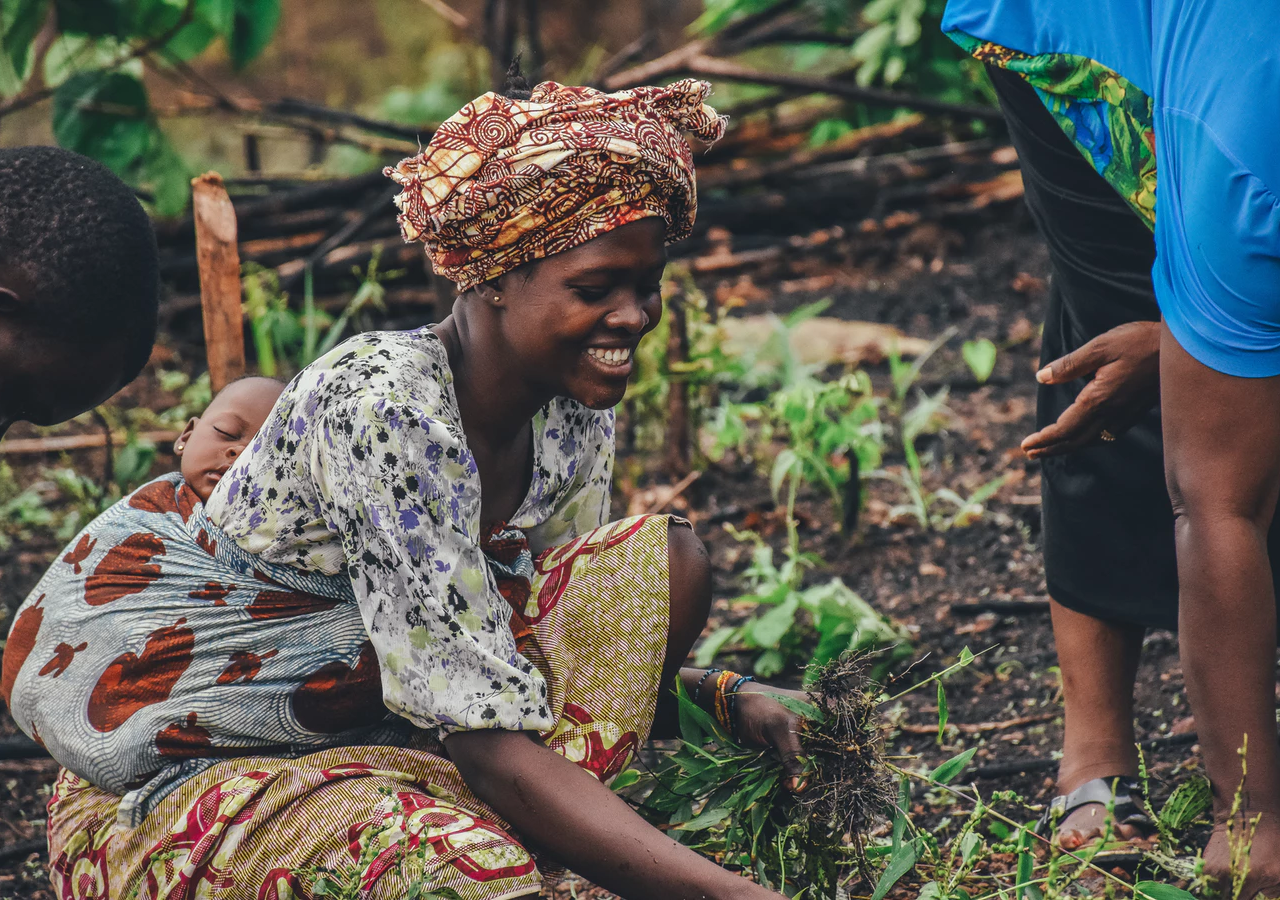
(944, 508)
(832, 429)
(728, 801)
(980, 356)
(789, 618)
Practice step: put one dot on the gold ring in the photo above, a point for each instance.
(1107, 435)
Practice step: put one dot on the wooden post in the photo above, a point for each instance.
(219, 263)
(678, 426)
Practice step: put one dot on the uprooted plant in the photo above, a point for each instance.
(729, 802)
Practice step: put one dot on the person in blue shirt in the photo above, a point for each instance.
(1159, 405)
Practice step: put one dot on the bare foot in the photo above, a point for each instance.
(1089, 823)
(1263, 880)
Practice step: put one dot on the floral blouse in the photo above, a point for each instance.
(363, 468)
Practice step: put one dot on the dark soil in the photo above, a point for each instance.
(986, 277)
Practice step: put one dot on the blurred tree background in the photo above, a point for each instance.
(162, 89)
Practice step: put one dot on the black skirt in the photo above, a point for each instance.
(1108, 522)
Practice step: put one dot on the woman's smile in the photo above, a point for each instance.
(614, 361)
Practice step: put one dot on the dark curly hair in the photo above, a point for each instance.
(77, 232)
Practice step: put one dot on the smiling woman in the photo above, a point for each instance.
(450, 490)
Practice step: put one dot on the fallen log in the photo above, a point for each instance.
(67, 442)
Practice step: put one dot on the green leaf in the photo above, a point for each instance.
(947, 772)
(786, 465)
(93, 17)
(133, 462)
(20, 21)
(705, 819)
(1154, 890)
(165, 172)
(1188, 802)
(103, 115)
(697, 726)
(799, 707)
(942, 710)
(255, 22)
(714, 643)
(625, 779)
(908, 29)
(1026, 863)
(981, 358)
(966, 657)
(220, 15)
(768, 630)
(191, 40)
(900, 812)
(770, 663)
(900, 863)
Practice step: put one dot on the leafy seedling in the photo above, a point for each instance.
(980, 356)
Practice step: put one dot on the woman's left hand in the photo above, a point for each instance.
(764, 722)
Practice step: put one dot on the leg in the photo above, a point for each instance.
(1099, 662)
(689, 577)
(1222, 456)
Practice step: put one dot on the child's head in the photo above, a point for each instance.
(79, 285)
(210, 444)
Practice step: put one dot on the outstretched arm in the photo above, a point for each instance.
(564, 811)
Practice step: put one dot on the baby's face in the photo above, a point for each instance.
(210, 444)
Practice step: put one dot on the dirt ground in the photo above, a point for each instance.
(987, 277)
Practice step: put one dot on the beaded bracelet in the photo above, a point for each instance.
(720, 701)
(697, 691)
(732, 703)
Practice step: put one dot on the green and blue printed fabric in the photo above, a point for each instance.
(1189, 89)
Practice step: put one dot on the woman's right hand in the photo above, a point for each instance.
(1125, 365)
(566, 813)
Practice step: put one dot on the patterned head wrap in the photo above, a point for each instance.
(504, 182)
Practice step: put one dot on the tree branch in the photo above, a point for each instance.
(689, 59)
(22, 101)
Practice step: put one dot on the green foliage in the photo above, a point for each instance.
(833, 432)
(980, 356)
(788, 617)
(448, 83)
(287, 339)
(194, 396)
(95, 66)
(727, 801)
(22, 510)
(924, 505)
(831, 429)
(706, 373)
(20, 22)
(897, 43)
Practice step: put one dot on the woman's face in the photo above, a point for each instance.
(573, 320)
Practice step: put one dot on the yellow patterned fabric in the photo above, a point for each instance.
(383, 820)
(504, 182)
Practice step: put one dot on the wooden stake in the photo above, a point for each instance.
(678, 427)
(219, 263)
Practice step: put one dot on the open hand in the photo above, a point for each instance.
(1125, 365)
(764, 722)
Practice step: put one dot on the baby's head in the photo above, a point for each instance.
(210, 444)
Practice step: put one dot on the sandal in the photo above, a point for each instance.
(1124, 795)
